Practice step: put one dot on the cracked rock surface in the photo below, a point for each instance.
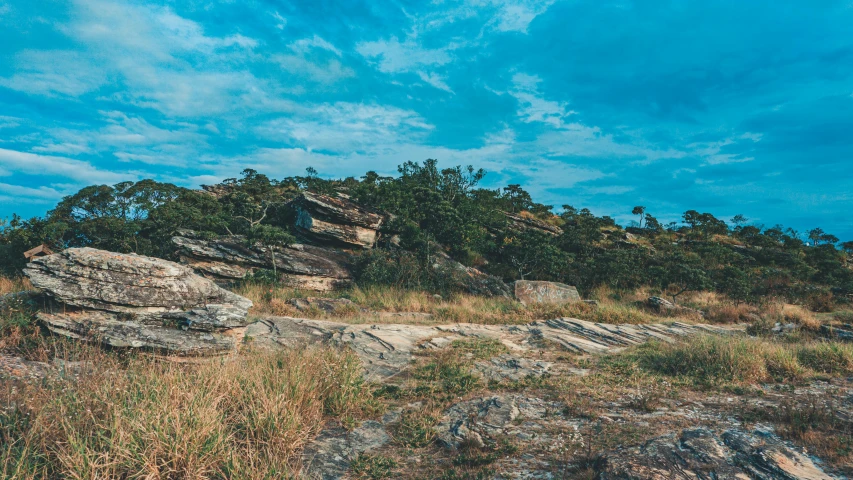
(127, 300)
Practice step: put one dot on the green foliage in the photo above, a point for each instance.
(440, 212)
(374, 467)
(735, 283)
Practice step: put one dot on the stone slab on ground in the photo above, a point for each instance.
(387, 349)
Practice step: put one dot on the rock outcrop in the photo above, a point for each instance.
(471, 280)
(662, 305)
(387, 349)
(336, 221)
(529, 292)
(701, 453)
(127, 300)
(229, 258)
(520, 222)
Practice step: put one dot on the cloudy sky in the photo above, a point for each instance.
(725, 106)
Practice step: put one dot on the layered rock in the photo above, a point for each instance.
(529, 292)
(701, 453)
(387, 349)
(336, 221)
(127, 300)
(520, 222)
(229, 258)
(471, 280)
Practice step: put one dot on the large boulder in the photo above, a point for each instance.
(336, 221)
(128, 300)
(529, 292)
(228, 258)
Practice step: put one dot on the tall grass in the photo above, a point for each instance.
(12, 285)
(375, 301)
(711, 359)
(248, 417)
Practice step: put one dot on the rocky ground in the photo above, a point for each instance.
(553, 398)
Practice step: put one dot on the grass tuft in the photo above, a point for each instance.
(713, 360)
(247, 417)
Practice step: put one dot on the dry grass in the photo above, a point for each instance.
(12, 285)
(711, 360)
(377, 302)
(800, 316)
(730, 313)
(247, 417)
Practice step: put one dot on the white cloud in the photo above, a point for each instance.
(435, 80)
(515, 15)
(9, 122)
(56, 72)
(40, 193)
(393, 56)
(34, 164)
(532, 107)
(344, 127)
(309, 59)
(306, 44)
(163, 60)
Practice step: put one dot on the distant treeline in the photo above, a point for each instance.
(503, 232)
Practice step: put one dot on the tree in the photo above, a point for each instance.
(738, 220)
(847, 247)
(815, 235)
(652, 224)
(639, 211)
(270, 237)
(682, 278)
(735, 283)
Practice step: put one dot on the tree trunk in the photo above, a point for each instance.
(274, 271)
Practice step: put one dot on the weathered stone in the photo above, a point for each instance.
(336, 221)
(387, 349)
(701, 453)
(520, 222)
(127, 300)
(328, 305)
(838, 332)
(663, 305)
(512, 368)
(483, 421)
(530, 292)
(125, 331)
(328, 457)
(471, 280)
(125, 283)
(228, 258)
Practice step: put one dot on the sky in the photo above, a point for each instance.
(725, 107)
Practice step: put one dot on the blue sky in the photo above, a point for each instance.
(727, 107)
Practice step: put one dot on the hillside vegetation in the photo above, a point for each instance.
(445, 210)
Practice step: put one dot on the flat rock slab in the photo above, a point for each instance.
(115, 331)
(702, 453)
(485, 421)
(386, 349)
(530, 292)
(329, 455)
(512, 368)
